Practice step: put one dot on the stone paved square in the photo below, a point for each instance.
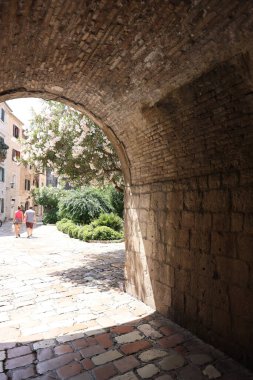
(60, 318)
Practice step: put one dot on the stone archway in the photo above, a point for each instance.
(170, 82)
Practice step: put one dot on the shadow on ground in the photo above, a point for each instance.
(150, 347)
(102, 272)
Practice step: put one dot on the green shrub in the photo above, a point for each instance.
(67, 226)
(116, 199)
(117, 202)
(86, 233)
(49, 198)
(84, 205)
(73, 231)
(106, 233)
(110, 220)
(61, 223)
(50, 217)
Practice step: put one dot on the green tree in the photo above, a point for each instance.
(84, 205)
(49, 198)
(74, 147)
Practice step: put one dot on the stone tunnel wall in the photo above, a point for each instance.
(190, 237)
(170, 82)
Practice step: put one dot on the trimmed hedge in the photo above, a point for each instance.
(106, 233)
(110, 220)
(93, 231)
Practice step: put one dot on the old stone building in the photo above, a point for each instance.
(170, 83)
(16, 179)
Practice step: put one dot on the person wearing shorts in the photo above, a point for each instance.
(30, 220)
(17, 221)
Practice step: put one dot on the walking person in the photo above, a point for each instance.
(17, 221)
(30, 220)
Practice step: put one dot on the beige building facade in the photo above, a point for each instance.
(16, 180)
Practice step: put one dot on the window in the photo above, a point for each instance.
(27, 184)
(1, 174)
(15, 131)
(15, 155)
(13, 183)
(2, 114)
(1, 205)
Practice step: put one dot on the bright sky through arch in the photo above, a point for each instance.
(22, 108)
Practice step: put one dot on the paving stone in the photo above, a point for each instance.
(148, 371)
(89, 311)
(181, 350)
(200, 359)
(69, 338)
(104, 372)
(58, 362)
(82, 376)
(20, 361)
(44, 354)
(211, 372)
(172, 362)
(1, 367)
(108, 356)
(128, 338)
(104, 340)
(91, 351)
(18, 351)
(44, 343)
(131, 348)
(126, 376)
(87, 364)
(80, 343)
(191, 372)
(63, 349)
(171, 341)
(6, 346)
(166, 330)
(94, 331)
(69, 370)
(24, 373)
(152, 354)
(122, 329)
(127, 363)
(147, 330)
(83, 342)
(2, 355)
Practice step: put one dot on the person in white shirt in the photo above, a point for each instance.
(30, 220)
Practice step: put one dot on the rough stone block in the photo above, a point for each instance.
(126, 364)
(174, 201)
(192, 201)
(223, 244)
(216, 201)
(171, 362)
(245, 247)
(233, 271)
(106, 357)
(242, 200)
(148, 371)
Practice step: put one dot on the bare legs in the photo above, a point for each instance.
(17, 230)
(29, 232)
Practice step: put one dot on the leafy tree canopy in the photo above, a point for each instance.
(71, 145)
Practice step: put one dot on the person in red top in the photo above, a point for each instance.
(17, 221)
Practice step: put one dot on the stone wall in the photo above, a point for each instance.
(190, 237)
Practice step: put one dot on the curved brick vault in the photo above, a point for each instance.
(170, 82)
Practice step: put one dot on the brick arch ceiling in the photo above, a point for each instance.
(130, 64)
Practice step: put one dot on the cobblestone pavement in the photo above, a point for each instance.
(64, 315)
